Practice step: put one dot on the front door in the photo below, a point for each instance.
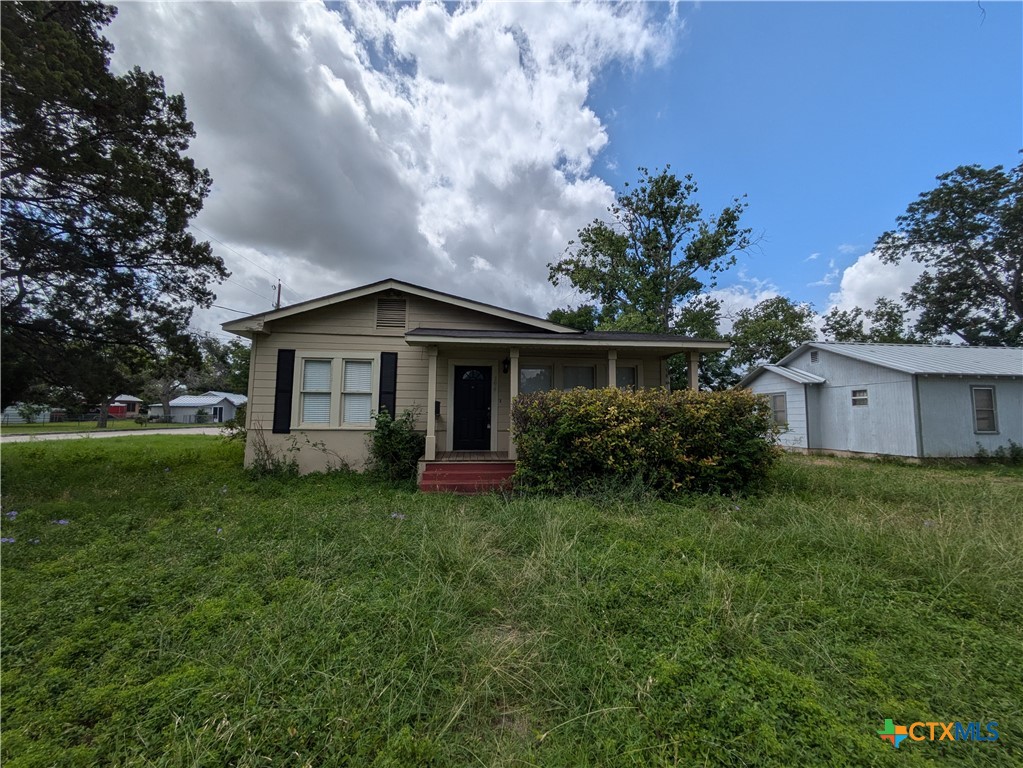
(471, 428)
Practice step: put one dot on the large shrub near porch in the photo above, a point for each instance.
(677, 441)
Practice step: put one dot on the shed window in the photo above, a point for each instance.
(316, 391)
(779, 409)
(859, 397)
(578, 376)
(984, 416)
(357, 391)
(535, 378)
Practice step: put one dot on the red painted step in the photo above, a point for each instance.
(467, 477)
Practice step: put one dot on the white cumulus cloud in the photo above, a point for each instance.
(450, 146)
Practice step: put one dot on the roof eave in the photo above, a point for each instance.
(562, 342)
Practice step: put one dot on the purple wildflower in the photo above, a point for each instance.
(33, 541)
(62, 521)
(219, 531)
(397, 516)
(7, 540)
(11, 515)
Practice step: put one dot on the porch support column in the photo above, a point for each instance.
(612, 368)
(431, 399)
(694, 370)
(513, 389)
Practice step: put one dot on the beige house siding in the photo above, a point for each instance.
(350, 327)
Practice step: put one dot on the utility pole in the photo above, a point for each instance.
(278, 304)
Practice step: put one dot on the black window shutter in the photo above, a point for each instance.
(283, 389)
(388, 382)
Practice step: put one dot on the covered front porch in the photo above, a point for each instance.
(474, 376)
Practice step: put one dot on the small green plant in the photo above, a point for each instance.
(201, 416)
(395, 446)
(268, 462)
(141, 420)
(1010, 455)
(234, 428)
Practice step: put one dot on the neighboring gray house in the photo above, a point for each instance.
(10, 415)
(895, 399)
(218, 406)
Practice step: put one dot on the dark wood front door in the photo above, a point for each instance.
(471, 428)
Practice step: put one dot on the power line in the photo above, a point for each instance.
(243, 256)
(229, 309)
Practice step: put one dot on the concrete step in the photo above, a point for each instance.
(466, 477)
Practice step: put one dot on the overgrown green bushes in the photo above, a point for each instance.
(678, 441)
(395, 446)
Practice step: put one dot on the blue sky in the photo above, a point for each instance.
(831, 117)
(462, 147)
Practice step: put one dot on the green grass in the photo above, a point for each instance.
(187, 615)
(87, 426)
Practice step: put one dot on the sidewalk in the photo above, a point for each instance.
(214, 430)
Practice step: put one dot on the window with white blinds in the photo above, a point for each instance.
(316, 376)
(357, 391)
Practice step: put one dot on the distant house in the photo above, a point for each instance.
(125, 407)
(10, 415)
(218, 407)
(895, 399)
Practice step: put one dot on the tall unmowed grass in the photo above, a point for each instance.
(161, 607)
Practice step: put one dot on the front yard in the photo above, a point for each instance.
(113, 425)
(160, 608)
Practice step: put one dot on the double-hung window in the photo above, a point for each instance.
(779, 409)
(985, 418)
(357, 392)
(316, 391)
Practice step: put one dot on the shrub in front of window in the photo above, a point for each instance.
(678, 441)
(395, 446)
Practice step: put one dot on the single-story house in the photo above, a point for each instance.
(218, 407)
(321, 369)
(910, 400)
(124, 407)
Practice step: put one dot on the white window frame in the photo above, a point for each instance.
(994, 410)
(860, 400)
(337, 369)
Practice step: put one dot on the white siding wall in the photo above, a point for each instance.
(946, 406)
(886, 425)
(769, 383)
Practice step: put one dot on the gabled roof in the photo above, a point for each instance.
(926, 358)
(255, 322)
(793, 374)
(127, 399)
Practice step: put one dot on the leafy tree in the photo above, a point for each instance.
(770, 330)
(655, 254)
(701, 317)
(92, 379)
(888, 324)
(968, 233)
(582, 318)
(96, 198)
(224, 367)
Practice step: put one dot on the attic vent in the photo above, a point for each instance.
(390, 313)
(815, 356)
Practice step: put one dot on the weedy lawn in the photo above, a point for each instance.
(161, 608)
(114, 425)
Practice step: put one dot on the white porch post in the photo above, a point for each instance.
(431, 399)
(694, 370)
(513, 389)
(612, 368)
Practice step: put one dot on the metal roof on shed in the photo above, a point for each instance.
(927, 358)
